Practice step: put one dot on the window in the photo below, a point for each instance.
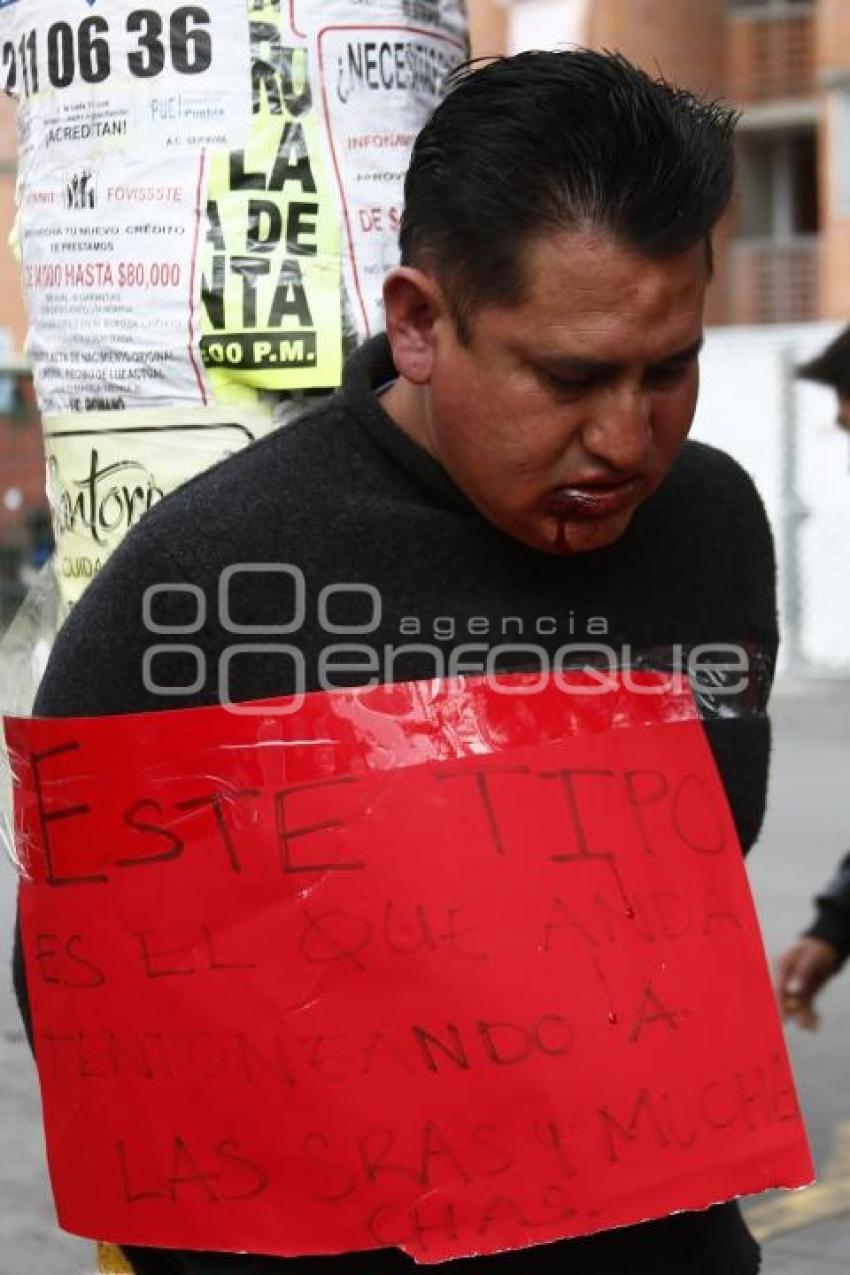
(768, 6)
(778, 188)
(840, 132)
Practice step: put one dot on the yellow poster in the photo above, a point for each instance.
(105, 470)
(271, 281)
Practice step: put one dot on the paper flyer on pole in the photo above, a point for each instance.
(209, 199)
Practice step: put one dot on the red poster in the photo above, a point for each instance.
(455, 967)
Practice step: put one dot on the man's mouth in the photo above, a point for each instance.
(585, 502)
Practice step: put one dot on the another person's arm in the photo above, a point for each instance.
(804, 968)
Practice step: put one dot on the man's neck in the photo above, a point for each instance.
(406, 404)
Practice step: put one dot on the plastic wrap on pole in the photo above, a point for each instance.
(23, 657)
(209, 198)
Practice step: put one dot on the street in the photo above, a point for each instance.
(807, 829)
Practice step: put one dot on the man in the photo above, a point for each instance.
(806, 966)
(513, 447)
(832, 368)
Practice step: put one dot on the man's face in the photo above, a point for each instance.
(561, 414)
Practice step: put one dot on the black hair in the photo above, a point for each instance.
(832, 366)
(564, 140)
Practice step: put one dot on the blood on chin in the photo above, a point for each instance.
(565, 537)
(568, 538)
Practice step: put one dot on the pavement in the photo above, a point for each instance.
(807, 828)
(824, 1248)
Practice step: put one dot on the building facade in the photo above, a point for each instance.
(784, 251)
(24, 525)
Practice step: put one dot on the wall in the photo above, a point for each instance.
(833, 56)
(783, 432)
(683, 40)
(12, 313)
(488, 27)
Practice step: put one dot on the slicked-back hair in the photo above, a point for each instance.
(832, 366)
(559, 141)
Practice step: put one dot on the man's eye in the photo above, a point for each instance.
(566, 386)
(670, 374)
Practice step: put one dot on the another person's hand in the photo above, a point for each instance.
(801, 972)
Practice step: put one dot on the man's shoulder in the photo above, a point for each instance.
(714, 485)
(706, 463)
(245, 494)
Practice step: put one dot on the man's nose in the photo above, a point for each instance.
(620, 431)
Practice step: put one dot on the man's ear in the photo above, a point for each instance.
(413, 304)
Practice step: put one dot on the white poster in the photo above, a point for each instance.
(108, 262)
(381, 78)
(118, 104)
(95, 75)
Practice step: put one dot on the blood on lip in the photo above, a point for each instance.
(571, 502)
(585, 502)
